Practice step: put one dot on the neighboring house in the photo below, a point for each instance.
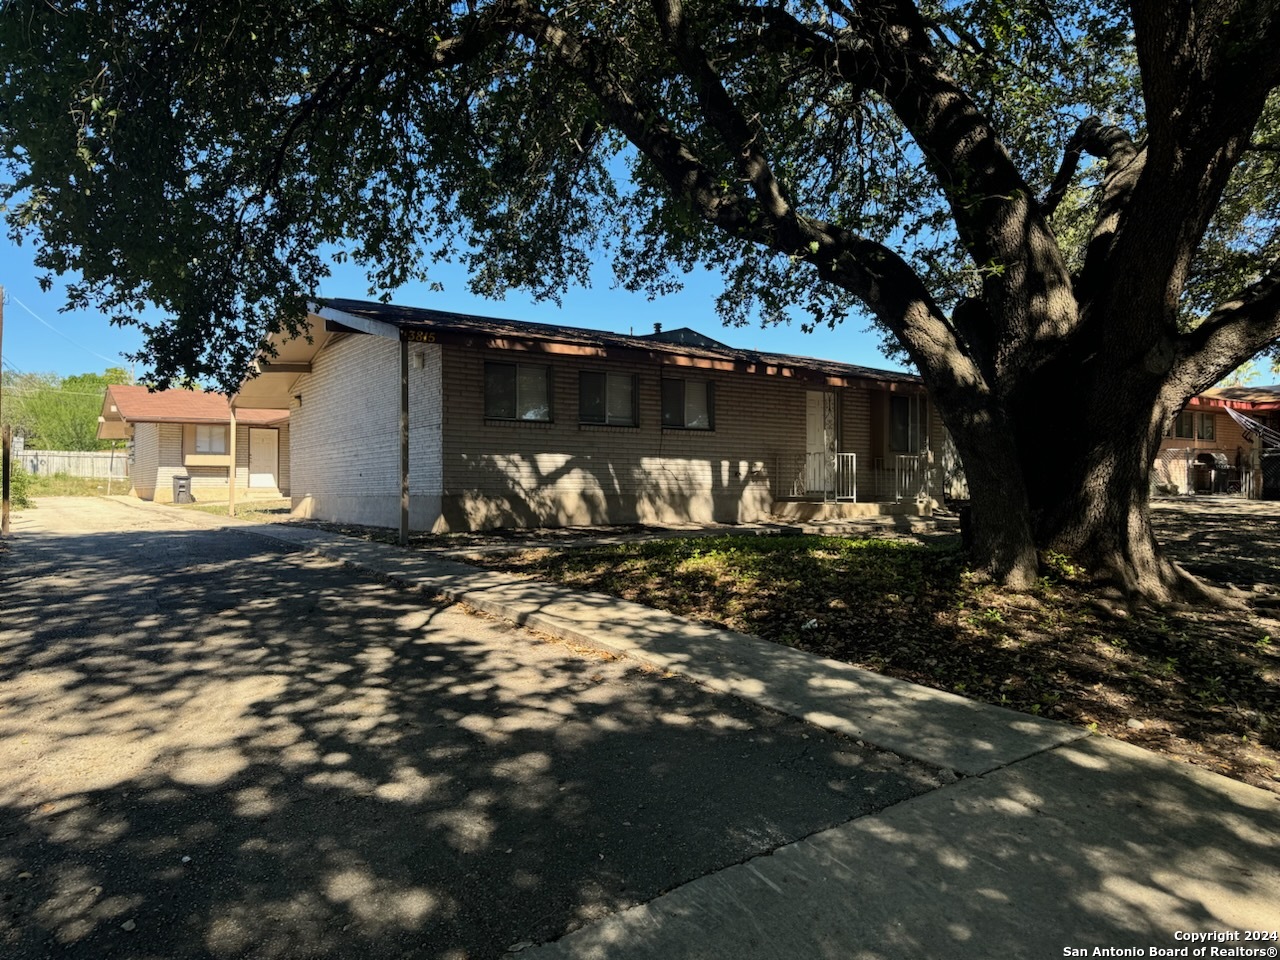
(1207, 450)
(524, 424)
(184, 433)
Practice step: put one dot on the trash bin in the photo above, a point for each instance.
(182, 490)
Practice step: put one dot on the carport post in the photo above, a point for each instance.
(404, 440)
(231, 470)
(5, 452)
(7, 443)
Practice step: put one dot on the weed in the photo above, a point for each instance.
(1062, 565)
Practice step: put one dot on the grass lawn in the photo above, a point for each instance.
(259, 511)
(1202, 685)
(62, 485)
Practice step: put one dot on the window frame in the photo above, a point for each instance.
(917, 423)
(709, 387)
(548, 386)
(207, 429)
(608, 421)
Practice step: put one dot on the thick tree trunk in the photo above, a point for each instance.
(1003, 538)
(1105, 525)
(1070, 473)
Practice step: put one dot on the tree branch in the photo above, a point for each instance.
(740, 137)
(1230, 335)
(1026, 284)
(1206, 72)
(1125, 162)
(1066, 170)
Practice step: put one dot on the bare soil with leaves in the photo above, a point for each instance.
(1198, 684)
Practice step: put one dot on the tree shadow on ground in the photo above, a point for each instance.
(1224, 539)
(214, 747)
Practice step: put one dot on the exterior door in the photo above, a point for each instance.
(264, 457)
(819, 441)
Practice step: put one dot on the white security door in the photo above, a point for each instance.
(817, 469)
(264, 457)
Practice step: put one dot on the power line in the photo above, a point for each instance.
(28, 392)
(41, 319)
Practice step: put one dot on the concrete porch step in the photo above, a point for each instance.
(810, 511)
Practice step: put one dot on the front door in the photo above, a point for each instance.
(264, 457)
(819, 440)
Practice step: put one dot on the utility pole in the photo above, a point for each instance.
(6, 444)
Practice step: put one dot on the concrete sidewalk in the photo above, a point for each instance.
(1054, 840)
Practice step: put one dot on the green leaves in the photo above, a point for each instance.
(212, 165)
(59, 413)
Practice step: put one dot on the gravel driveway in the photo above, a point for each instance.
(213, 747)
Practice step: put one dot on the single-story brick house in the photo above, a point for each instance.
(509, 423)
(1207, 450)
(186, 433)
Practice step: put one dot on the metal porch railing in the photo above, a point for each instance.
(811, 476)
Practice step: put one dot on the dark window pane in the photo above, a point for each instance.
(899, 424)
(673, 403)
(591, 397)
(500, 391)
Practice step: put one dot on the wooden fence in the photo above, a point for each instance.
(76, 463)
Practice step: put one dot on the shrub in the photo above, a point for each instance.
(19, 484)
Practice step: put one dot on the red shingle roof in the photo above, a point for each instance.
(1247, 398)
(139, 405)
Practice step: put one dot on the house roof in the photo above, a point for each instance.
(1246, 398)
(274, 382)
(681, 342)
(123, 406)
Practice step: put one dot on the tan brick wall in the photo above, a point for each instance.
(159, 454)
(501, 473)
(1170, 474)
(344, 449)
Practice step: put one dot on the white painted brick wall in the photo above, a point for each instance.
(344, 444)
(146, 459)
(169, 462)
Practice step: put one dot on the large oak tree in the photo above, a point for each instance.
(1065, 215)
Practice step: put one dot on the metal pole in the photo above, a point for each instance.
(6, 450)
(8, 435)
(404, 441)
(6, 489)
(231, 471)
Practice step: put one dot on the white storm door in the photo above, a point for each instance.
(817, 470)
(264, 457)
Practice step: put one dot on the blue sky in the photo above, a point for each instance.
(40, 339)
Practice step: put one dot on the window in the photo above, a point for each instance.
(689, 404)
(607, 398)
(1184, 426)
(211, 439)
(517, 391)
(908, 423)
(1204, 426)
